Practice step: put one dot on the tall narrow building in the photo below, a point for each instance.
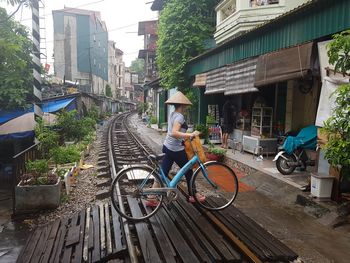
(81, 48)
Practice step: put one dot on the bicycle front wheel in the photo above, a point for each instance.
(126, 193)
(218, 183)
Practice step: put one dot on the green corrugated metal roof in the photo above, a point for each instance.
(313, 20)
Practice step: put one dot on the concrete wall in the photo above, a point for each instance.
(301, 108)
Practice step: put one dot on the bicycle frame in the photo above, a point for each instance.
(171, 184)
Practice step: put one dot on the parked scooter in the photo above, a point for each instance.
(295, 151)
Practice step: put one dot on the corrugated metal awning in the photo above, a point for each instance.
(200, 80)
(291, 63)
(240, 77)
(216, 81)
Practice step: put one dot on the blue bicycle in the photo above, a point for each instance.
(142, 183)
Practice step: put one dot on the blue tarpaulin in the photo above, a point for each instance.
(50, 106)
(9, 115)
(306, 139)
(53, 106)
(8, 118)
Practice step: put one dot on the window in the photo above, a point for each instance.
(94, 38)
(99, 43)
(94, 62)
(226, 10)
(99, 65)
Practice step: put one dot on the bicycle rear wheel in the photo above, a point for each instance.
(219, 184)
(127, 189)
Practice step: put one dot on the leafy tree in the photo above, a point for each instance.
(138, 66)
(15, 63)
(184, 26)
(337, 126)
(339, 51)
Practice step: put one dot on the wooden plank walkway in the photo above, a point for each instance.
(179, 232)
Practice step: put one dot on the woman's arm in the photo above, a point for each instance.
(181, 135)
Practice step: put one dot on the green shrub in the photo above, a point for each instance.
(93, 113)
(210, 119)
(203, 129)
(37, 167)
(68, 154)
(48, 138)
(217, 151)
(72, 128)
(154, 120)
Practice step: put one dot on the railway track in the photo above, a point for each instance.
(178, 232)
(126, 148)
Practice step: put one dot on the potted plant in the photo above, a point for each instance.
(154, 122)
(203, 129)
(39, 188)
(215, 154)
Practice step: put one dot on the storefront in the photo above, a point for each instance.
(272, 94)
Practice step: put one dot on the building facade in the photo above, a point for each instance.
(81, 48)
(148, 29)
(235, 17)
(120, 70)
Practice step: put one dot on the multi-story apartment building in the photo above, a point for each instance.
(148, 29)
(238, 16)
(81, 48)
(120, 70)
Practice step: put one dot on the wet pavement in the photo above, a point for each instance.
(13, 235)
(272, 204)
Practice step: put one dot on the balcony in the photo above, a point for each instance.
(238, 16)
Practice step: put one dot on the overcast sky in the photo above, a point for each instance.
(121, 17)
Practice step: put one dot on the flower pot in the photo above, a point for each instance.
(154, 126)
(32, 198)
(212, 157)
(202, 141)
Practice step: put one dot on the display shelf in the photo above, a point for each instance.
(215, 133)
(261, 125)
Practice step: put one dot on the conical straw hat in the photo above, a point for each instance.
(179, 98)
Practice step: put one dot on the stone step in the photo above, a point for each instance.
(104, 175)
(102, 194)
(104, 182)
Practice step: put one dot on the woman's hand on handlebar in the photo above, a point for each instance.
(194, 134)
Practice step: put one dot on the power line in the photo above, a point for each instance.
(108, 31)
(70, 8)
(10, 16)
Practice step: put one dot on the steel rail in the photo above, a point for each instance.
(128, 237)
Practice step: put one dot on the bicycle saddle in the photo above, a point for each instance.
(157, 157)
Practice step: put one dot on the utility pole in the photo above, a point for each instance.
(36, 59)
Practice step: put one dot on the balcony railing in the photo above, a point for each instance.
(245, 19)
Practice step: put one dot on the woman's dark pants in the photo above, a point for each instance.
(180, 158)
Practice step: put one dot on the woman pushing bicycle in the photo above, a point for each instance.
(138, 190)
(173, 146)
